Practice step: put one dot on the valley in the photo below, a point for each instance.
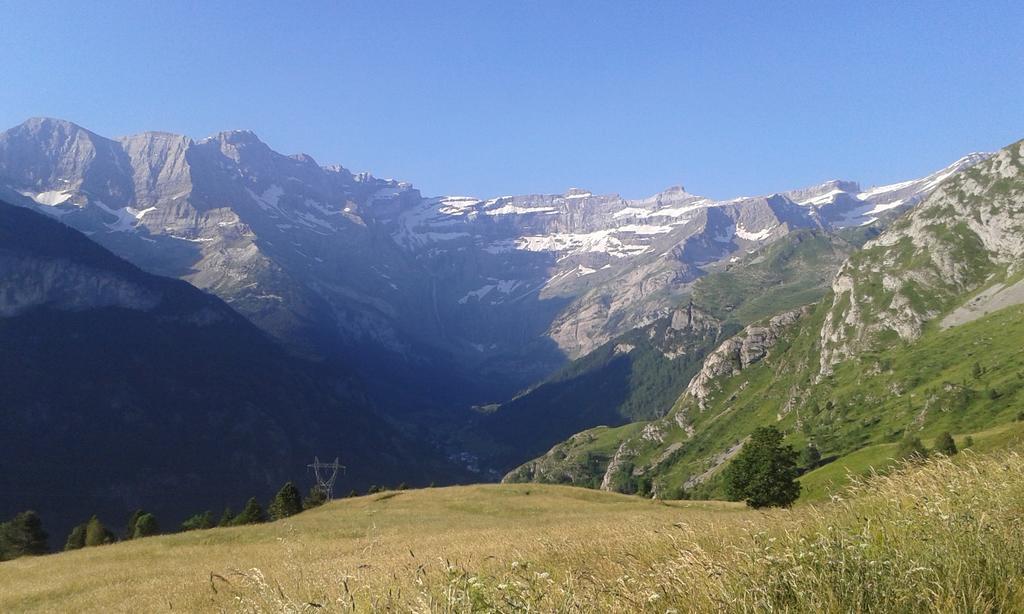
(505, 307)
(715, 317)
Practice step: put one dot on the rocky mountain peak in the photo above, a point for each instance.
(237, 137)
(241, 146)
(304, 159)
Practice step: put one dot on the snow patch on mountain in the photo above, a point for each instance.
(602, 241)
(50, 198)
(503, 286)
(760, 235)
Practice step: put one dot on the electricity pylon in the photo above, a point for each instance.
(323, 482)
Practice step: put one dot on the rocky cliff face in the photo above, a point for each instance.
(739, 352)
(964, 237)
(320, 256)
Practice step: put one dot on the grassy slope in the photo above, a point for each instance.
(793, 271)
(829, 479)
(942, 537)
(365, 540)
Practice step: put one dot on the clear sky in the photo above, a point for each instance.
(493, 98)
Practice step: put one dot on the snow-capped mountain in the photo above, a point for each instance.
(318, 255)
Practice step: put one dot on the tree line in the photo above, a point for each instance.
(24, 535)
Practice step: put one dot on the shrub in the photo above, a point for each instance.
(198, 522)
(911, 449)
(810, 457)
(145, 526)
(944, 444)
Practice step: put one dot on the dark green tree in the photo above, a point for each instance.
(911, 449)
(198, 521)
(227, 518)
(76, 539)
(145, 526)
(944, 444)
(22, 535)
(968, 442)
(764, 472)
(96, 534)
(287, 502)
(810, 457)
(129, 531)
(252, 513)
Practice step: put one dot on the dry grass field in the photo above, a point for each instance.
(945, 536)
(358, 550)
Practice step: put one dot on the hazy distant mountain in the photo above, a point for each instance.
(505, 288)
(120, 389)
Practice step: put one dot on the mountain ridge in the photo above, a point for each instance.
(484, 282)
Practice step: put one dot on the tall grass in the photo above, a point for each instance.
(943, 536)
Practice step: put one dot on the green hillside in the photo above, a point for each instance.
(795, 270)
(921, 333)
(639, 375)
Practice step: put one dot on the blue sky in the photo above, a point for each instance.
(493, 98)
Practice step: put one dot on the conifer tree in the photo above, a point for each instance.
(22, 535)
(287, 502)
(76, 539)
(129, 532)
(96, 534)
(252, 513)
(227, 518)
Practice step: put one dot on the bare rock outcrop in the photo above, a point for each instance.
(739, 352)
